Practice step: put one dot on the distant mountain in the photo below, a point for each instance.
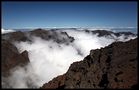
(57, 34)
(106, 33)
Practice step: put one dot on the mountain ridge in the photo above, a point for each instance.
(114, 66)
(12, 58)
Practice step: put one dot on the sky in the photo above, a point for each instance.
(19, 15)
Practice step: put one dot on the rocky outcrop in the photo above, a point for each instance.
(55, 35)
(11, 57)
(56, 83)
(114, 66)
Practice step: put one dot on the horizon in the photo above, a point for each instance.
(113, 29)
(72, 27)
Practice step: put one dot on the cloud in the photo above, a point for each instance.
(21, 77)
(49, 59)
(6, 30)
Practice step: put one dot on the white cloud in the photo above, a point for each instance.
(6, 30)
(49, 58)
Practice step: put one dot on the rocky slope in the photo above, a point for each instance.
(114, 66)
(11, 59)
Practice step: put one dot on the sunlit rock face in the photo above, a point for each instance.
(30, 55)
(114, 66)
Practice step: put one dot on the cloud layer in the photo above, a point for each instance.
(6, 31)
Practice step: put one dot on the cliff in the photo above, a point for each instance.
(11, 57)
(114, 66)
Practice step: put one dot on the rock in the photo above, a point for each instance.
(102, 33)
(15, 36)
(11, 57)
(55, 35)
(114, 66)
(56, 83)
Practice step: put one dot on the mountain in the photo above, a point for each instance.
(59, 37)
(114, 66)
(101, 64)
(106, 33)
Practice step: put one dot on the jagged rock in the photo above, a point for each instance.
(56, 83)
(114, 66)
(11, 57)
(59, 37)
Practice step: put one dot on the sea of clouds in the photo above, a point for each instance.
(49, 59)
(6, 30)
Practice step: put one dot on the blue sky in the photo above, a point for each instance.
(69, 14)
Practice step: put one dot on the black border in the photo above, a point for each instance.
(72, 1)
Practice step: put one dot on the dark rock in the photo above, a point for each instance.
(102, 33)
(59, 37)
(56, 36)
(125, 33)
(114, 66)
(15, 36)
(56, 83)
(11, 57)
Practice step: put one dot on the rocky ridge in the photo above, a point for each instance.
(114, 66)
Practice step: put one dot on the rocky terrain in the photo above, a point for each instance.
(114, 66)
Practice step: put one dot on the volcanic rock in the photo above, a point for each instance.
(114, 66)
(11, 57)
(56, 83)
